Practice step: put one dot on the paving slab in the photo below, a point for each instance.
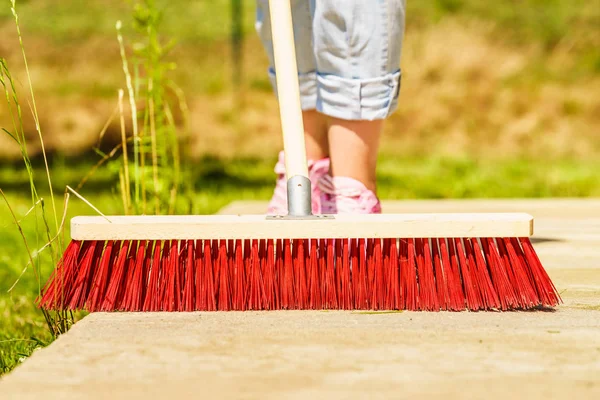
(335, 354)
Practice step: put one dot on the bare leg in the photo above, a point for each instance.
(353, 149)
(315, 128)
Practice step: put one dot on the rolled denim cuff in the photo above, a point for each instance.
(358, 99)
(308, 88)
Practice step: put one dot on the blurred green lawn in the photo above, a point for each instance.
(519, 21)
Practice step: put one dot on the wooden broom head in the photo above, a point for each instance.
(340, 226)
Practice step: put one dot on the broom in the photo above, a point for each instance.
(428, 262)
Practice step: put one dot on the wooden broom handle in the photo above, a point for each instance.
(288, 88)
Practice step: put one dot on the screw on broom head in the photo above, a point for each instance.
(419, 262)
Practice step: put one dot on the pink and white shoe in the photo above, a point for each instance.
(316, 170)
(342, 195)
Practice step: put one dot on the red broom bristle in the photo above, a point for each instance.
(256, 296)
(527, 296)
(403, 265)
(505, 265)
(385, 257)
(393, 275)
(100, 248)
(89, 279)
(151, 301)
(51, 296)
(146, 271)
(129, 265)
(247, 249)
(330, 293)
(173, 289)
(377, 280)
(506, 294)
(355, 273)
(180, 275)
(322, 254)
(287, 278)
(471, 297)
(408, 275)
(345, 278)
(476, 280)
(472, 270)
(279, 256)
(181, 260)
(516, 245)
(216, 265)
(267, 255)
(307, 247)
(427, 291)
(456, 298)
(53, 293)
(100, 281)
(165, 280)
(116, 279)
(338, 270)
(337, 267)
(239, 292)
(251, 261)
(520, 258)
(231, 270)
(261, 274)
(362, 301)
(201, 296)
(441, 279)
(546, 289)
(224, 298)
(431, 275)
(370, 273)
(488, 293)
(208, 287)
(201, 280)
(210, 275)
(297, 260)
(314, 289)
(134, 281)
(78, 293)
(300, 275)
(190, 278)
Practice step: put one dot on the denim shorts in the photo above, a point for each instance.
(348, 54)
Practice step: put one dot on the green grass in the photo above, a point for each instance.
(471, 178)
(189, 22)
(545, 21)
(218, 182)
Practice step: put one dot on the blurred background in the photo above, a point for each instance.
(498, 99)
(501, 90)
